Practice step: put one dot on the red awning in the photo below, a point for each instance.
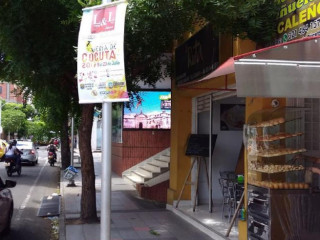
(224, 69)
(278, 71)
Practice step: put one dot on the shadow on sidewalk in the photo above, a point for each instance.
(144, 204)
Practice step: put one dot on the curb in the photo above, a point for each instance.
(62, 226)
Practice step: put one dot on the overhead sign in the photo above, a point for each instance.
(197, 57)
(298, 19)
(101, 72)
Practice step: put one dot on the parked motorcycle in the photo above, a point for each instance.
(12, 167)
(51, 158)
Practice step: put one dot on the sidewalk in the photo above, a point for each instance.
(131, 217)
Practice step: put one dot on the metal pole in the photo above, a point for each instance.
(0, 117)
(210, 156)
(105, 220)
(72, 141)
(71, 181)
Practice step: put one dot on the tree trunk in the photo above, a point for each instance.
(64, 145)
(88, 194)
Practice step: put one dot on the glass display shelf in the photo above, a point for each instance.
(274, 140)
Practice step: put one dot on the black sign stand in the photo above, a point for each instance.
(198, 146)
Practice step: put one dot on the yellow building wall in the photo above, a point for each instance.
(181, 115)
(181, 112)
(181, 124)
(181, 120)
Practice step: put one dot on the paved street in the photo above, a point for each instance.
(34, 183)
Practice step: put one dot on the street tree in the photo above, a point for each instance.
(12, 120)
(38, 131)
(252, 19)
(28, 110)
(38, 39)
(38, 55)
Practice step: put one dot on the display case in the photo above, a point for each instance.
(274, 140)
(281, 203)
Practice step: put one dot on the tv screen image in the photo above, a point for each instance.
(151, 111)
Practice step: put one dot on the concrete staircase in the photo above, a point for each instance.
(151, 171)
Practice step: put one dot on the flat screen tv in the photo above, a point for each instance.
(151, 110)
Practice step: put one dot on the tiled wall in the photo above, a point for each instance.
(137, 146)
(157, 193)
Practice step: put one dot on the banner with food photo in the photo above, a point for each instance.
(100, 63)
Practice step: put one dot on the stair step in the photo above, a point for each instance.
(145, 172)
(160, 163)
(158, 179)
(134, 178)
(153, 168)
(165, 158)
(141, 175)
(161, 169)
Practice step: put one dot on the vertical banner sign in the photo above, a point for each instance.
(101, 73)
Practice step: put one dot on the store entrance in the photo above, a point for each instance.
(228, 117)
(224, 118)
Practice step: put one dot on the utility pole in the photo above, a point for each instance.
(110, 31)
(105, 219)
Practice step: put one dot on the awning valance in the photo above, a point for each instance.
(289, 69)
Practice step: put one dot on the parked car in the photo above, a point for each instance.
(30, 152)
(3, 146)
(6, 205)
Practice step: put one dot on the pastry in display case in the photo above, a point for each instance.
(279, 190)
(274, 140)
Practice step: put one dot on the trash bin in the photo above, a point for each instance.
(70, 173)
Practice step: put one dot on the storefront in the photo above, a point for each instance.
(200, 108)
(266, 81)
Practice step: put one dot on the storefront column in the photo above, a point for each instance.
(180, 130)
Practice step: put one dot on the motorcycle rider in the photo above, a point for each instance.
(13, 152)
(56, 142)
(52, 148)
